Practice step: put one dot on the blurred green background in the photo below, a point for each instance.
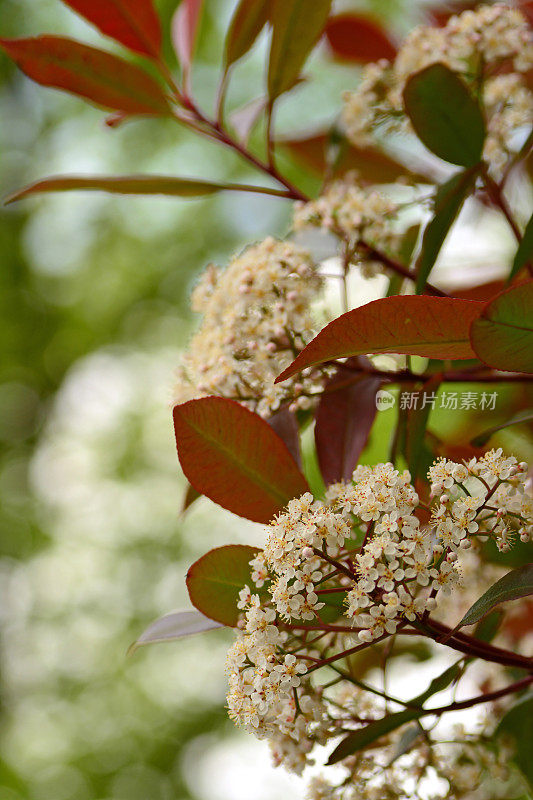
(94, 311)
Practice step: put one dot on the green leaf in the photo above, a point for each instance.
(215, 580)
(517, 722)
(296, 26)
(246, 24)
(516, 584)
(524, 254)
(434, 327)
(416, 425)
(361, 738)
(502, 337)
(174, 626)
(488, 627)
(448, 202)
(136, 184)
(482, 438)
(234, 457)
(445, 116)
(103, 78)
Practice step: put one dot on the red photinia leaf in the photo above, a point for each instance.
(235, 458)
(482, 291)
(372, 165)
(502, 337)
(169, 185)
(133, 23)
(434, 327)
(185, 24)
(284, 423)
(344, 420)
(215, 580)
(355, 38)
(94, 74)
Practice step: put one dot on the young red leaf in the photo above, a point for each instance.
(434, 327)
(502, 337)
(136, 184)
(355, 38)
(94, 74)
(343, 422)
(235, 458)
(185, 24)
(246, 24)
(284, 423)
(296, 27)
(215, 580)
(445, 115)
(133, 23)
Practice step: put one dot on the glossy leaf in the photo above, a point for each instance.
(449, 200)
(445, 116)
(516, 584)
(502, 337)
(134, 184)
(517, 722)
(434, 327)
(133, 23)
(246, 24)
(174, 626)
(185, 25)
(98, 76)
(352, 37)
(343, 422)
(296, 27)
(362, 737)
(524, 254)
(235, 458)
(517, 419)
(215, 580)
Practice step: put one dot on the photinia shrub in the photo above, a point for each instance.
(364, 560)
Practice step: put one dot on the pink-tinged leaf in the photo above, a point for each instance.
(244, 119)
(296, 27)
(246, 24)
(355, 38)
(98, 76)
(215, 580)
(136, 184)
(284, 423)
(344, 419)
(502, 336)
(174, 626)
(133, 23)
(235, 458)
(184, 27)
(434, 327)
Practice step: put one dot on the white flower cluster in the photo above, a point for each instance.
(268, 694)
(355, 214)
(256, 319)
(476, 44)
(312, 571)
(484, 498)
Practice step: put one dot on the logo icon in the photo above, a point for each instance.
(384, 400)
